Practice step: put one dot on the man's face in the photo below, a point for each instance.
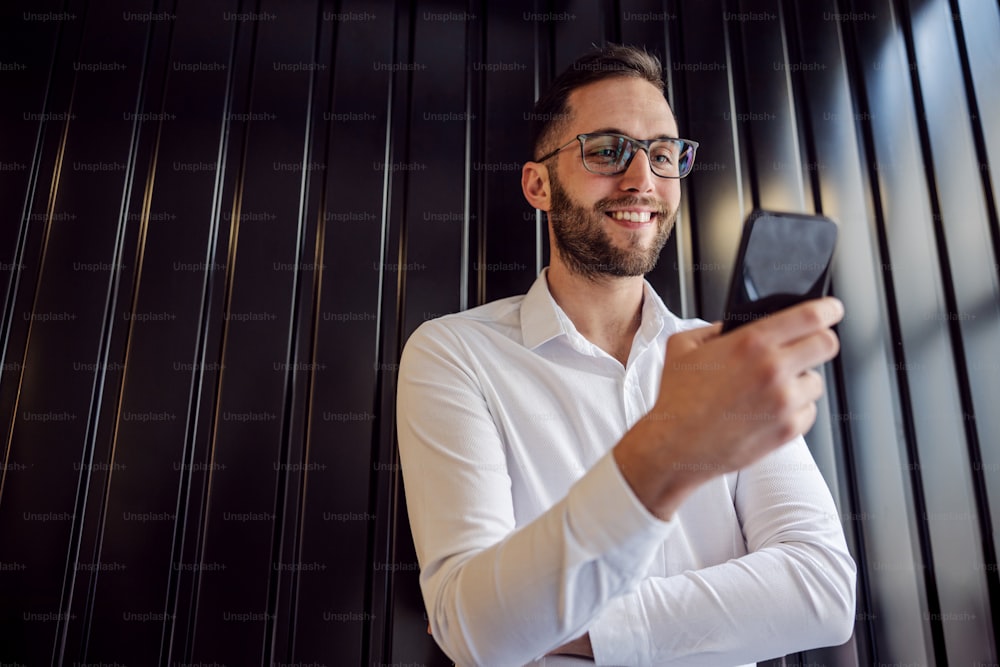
(586, 232)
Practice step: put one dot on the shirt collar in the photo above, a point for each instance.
(542, 319)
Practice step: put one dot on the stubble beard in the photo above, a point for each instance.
(586, 247)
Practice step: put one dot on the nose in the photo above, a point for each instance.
(638, 176)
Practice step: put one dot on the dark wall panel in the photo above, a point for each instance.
(705, 81)
(335, 512)
(501, 93)
(222, 220)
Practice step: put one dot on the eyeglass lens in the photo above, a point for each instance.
(610, 154)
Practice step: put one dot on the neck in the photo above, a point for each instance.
(606, 310)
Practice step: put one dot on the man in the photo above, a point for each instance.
(589, 475)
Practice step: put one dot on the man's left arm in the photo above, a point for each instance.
(794, 590)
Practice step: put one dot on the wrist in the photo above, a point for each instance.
(659, 478)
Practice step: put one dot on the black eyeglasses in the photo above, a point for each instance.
(611, 154)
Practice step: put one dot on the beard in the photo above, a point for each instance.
(587, 248)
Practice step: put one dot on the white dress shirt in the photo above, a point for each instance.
(528, 536)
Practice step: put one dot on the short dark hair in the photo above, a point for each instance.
(551, 111)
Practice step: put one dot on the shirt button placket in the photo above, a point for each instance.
(632, 396)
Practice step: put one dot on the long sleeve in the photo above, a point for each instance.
(496, 595)
(795, 589)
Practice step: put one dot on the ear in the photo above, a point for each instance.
(535, 185)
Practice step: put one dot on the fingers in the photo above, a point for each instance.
(807, 388)
(685, 341)
(783, 402)
(810, 351)
(793, 406)
(702, 334)
(797, 321)
(803, 420)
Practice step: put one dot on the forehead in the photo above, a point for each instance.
(628, 104)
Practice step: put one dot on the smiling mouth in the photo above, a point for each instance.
(630, 216)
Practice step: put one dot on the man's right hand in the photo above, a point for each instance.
(726, 401)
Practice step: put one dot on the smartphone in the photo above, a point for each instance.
(784, 259)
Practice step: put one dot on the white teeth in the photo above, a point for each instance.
(632, 216)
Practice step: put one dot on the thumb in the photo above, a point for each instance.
(683, 342)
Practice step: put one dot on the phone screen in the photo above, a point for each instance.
(784, 258)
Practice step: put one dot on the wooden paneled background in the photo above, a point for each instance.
(220, 220)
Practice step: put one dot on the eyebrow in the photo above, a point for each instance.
(615, 130)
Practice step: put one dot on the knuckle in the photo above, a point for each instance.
(679, 343)
(832, 342)
(752, 343)
(813, 317)
(771, 370)
(784, 399)
(817, 385)
(787, 429)
(808, 418)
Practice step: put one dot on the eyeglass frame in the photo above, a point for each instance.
(643, 144)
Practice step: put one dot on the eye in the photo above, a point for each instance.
(663, 155)
(604, 152)
(604, 148)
